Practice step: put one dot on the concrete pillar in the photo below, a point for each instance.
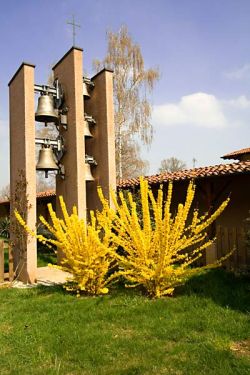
(102, 146)
(23, 171)
(69, 71)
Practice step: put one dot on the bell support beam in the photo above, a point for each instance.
(55, 90)
(56, 143)
(89, 119)
(45, 89)
(88, 82)
(102, 145)
(69, 71)
(23, 170)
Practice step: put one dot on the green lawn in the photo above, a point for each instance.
(46, 331)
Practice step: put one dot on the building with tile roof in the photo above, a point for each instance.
(213, 185)
(241, 155)
(187, 174)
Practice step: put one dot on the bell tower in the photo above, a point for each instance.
(83, 154)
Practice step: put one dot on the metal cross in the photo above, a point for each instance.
(74, 25)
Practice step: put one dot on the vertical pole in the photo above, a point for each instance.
(11, 260)
(1, 261)
(69, 71)
(22, 169)
(102, 145)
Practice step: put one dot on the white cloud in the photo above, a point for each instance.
(239, 103)
(238, 74)
(198, 109)
(203, 110)
(237, 111)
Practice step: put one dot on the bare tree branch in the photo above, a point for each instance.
(172, 165)
(132, 84)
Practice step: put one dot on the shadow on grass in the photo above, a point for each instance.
(116, 291)
(223, 287)
(51, 289)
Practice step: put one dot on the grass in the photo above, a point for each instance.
(46, 331)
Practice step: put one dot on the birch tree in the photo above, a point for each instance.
(132, 85)
(131, 152)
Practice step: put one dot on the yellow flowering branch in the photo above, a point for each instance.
(88, 253)
(158, 250)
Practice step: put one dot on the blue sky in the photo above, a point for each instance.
(201, 105)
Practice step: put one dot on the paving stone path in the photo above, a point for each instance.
(46, 276)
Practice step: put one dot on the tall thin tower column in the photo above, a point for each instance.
(69, 71)
(102, 145)
(23, 170)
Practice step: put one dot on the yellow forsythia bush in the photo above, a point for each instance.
(88, 251)
(156, 250)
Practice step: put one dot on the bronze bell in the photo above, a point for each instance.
(88, 174)
(87, 132)
(85, 91)
(46, 160)
(45, 109)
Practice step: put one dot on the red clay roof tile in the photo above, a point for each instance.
(43, 194)
(235, 154)
(187, 174)
(215, 170)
